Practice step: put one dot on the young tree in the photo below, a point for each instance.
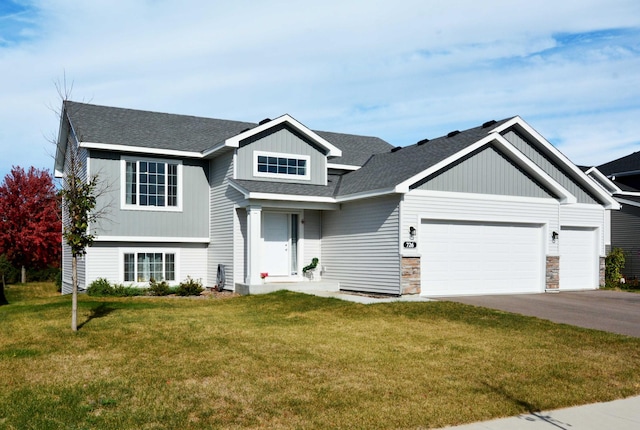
(29, 221)
(79, 198)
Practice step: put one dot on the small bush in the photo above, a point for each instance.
(614, 263)
(190, 287)
(120, 290)
(100, 288)
(158, 288)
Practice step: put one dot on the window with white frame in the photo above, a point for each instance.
(151, 183)
(142, 266)
(271, 164)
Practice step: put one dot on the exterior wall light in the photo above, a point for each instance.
(554, 236)
(412, 231)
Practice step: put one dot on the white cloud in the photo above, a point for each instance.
(400, 70)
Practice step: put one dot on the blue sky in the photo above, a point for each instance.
(401, 70)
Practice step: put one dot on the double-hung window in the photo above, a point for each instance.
(144, 266)
(151, 184)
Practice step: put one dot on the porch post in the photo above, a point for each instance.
(254, 222)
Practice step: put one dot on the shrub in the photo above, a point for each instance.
(100, 287)
(190, 287)
(614, 263)
(120, 290)
(158, 288)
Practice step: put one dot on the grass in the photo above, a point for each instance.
(288, 360)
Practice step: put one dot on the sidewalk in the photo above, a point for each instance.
(619, 415)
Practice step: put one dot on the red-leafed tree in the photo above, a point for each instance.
(30, 226)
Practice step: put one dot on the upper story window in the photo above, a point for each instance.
(151, 184)
(276, 165)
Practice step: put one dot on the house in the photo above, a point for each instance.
(490, 210)
(621, 179)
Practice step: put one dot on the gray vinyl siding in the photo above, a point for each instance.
(551, 168)
(486, 172)
(312, 237)
(360, 245)
(191, 222)
(625, 234)
(222, 226)
(282, 141)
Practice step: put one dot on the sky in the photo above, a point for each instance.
(401, 70)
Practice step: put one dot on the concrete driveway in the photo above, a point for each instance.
(613, 311)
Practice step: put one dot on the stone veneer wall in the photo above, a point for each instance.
(601, 274)
(410, 275)
(553, 273)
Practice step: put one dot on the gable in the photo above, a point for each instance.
(282, 142)
(486, 171)
(550, 167)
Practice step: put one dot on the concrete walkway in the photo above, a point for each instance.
(619, 415)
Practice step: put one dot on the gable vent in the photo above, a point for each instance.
(489, 123)
(264, 121)
(453, 133)
(396, 149)
(422, 142)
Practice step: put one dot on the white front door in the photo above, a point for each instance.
(275, 244)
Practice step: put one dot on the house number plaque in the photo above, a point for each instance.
(410, 245)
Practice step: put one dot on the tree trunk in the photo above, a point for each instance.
(23, 274)
(3, 299)
(74, 294)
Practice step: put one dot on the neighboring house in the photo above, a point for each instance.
(494, 209)
(621, 179)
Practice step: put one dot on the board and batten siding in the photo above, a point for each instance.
(485, 172)
(625, 234)
(191, 222)
(223, 225)
(551, 168)
(420, 205)
(282, 141)
(360, 245)
(582, 215)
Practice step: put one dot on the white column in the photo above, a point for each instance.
(254, 227)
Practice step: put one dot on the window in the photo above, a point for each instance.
(281, 165)
(144, 266)
(151, 184)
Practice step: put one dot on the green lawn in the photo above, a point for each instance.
(288, 360)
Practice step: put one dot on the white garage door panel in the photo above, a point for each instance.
(460, 258)
(578, 258)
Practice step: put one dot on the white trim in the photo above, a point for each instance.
(306, 158)
(140, 149)
(152, 239)
(523, 162)
(343, 166)
(603, 181)
(136, 250)
(368, 194)
(578, 174)
(628, 202)
(124, 159)
(234, 142)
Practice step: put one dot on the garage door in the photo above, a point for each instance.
(579, 260)
(466, 258)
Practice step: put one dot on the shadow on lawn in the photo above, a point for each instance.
(534, 411)
(102, 310)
